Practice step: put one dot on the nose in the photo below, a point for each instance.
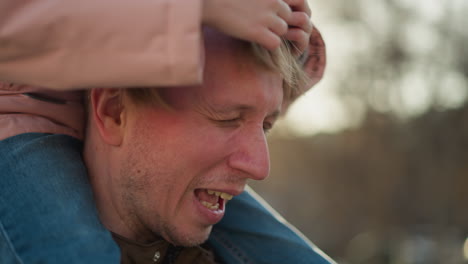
(251, 155)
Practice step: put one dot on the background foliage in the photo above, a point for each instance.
(386, 179)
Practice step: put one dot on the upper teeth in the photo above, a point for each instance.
(225, 196)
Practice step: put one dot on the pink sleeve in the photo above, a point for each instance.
(72, 44)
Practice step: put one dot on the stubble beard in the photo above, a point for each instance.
(177, 238)
(150, 227)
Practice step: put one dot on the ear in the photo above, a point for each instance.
(108, 114)
(314, 61)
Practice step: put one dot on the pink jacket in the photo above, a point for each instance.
(67, 45)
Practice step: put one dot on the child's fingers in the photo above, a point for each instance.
(300, 20)
(299, 39)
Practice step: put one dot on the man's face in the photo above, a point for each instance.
(210, 139)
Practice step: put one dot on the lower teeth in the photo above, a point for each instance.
(210, 205)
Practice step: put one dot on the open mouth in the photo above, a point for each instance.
(213, 200)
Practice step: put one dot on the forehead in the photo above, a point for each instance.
(233, 76)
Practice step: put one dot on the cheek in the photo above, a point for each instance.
(162, 151)
(147, 189)
(181, 146)
(208, 144)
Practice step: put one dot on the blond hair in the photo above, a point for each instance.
(286, 64)
(281, 61)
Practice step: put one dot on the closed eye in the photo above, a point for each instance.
(228, 122)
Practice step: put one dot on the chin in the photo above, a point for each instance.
(189, 240)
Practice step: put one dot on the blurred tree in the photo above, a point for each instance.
(394, 187)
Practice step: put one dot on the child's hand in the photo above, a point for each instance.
(299, 25)
(260, 21)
